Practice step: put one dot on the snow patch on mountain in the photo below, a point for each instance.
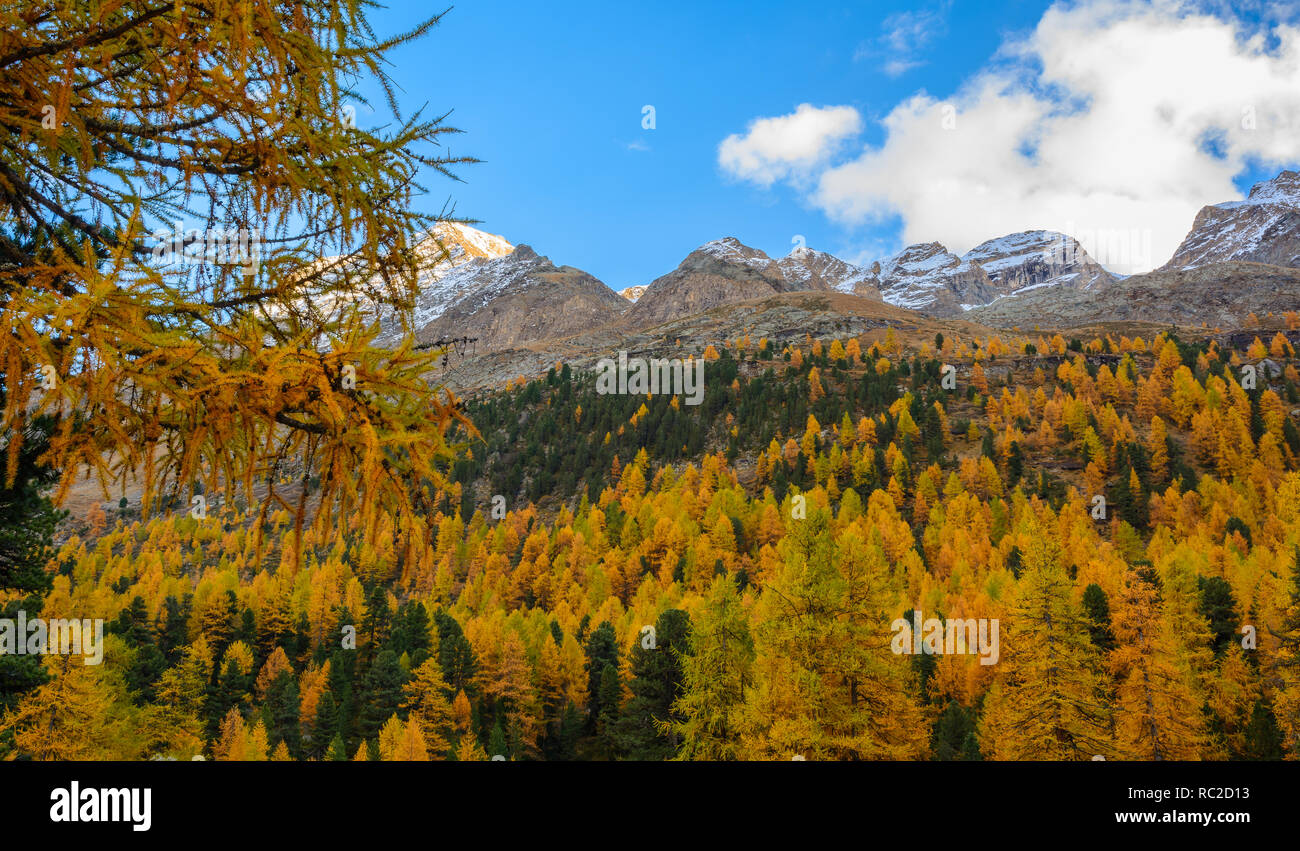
(1283, 189)
(1263, 228)
(455, 263)
(731, 250)
(930, 278)
(472, 284)
(815, 270)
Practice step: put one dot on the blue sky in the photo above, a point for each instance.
(551, 95)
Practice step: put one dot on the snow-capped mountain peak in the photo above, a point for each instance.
(508, 300)
(726, 270)
(929, 277)
(731, 250)
(819, 270)
(479, 279)
(803, 268)
(1283, 190)
(1263, 228)
(1037, 258)
(449, 244)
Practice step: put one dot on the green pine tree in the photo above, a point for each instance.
(381, 694)
(602, 651)
(455, 655)
(1263, 736)
(27, 522)
(280, 714)
(607, 720)
(338, 752)
(1097, 609)
(643, 731)
(954, 733)
(323, 728)
(497, 745)
(715, 674)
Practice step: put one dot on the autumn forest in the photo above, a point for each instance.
(908, 539)
(731, 596)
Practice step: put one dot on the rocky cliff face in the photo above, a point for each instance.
(1218, 294)
(1239, 258)
(929, 278)
(822, 271)
(726, 271)
(1037, 258)
(1264, 228)
(517, 299)
(718, 272)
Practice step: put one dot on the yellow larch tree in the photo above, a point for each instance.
(1152, 695)
(1048, 701)
(69, 718)
(168, 376)
(827, 684)
(426, 700)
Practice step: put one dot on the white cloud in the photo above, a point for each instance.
(899, 67)
(907, 31)
(902, 35)
(789, 146)
(1096, 124)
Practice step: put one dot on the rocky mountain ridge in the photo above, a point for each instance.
(726, 270)
(513, 299)
(1264, 228)
(929, 278)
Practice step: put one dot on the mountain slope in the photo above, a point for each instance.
(929, 278)
(517, 299)
(444, 247)
(1218, 294)
(822, 271)
(781, 318)
(1264, 228)
(726, 271)
(716, 273)
(1236, 260)
(1037, 258)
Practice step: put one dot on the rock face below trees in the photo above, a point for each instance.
(782, 318)
(1218, 295)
